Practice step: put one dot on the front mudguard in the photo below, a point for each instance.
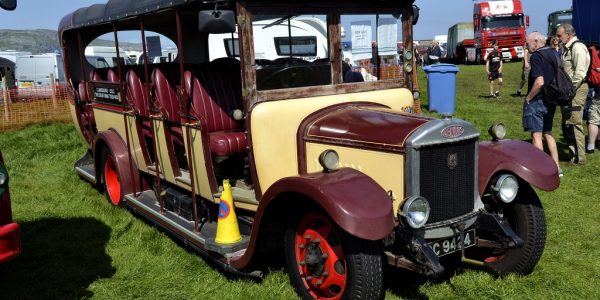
(518, 157)
(352, 199)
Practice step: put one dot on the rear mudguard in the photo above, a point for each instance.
(520, 158)
(128, 170)
(352, 199)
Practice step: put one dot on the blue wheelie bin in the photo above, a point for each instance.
(441, 88)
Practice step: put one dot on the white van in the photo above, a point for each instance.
(35, 70)
(308, 42)
(108, 53)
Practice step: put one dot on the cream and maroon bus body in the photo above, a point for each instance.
(339, 175)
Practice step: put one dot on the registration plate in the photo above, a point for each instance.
(26, 84)
(453, 243)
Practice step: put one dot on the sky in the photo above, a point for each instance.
(435, 18)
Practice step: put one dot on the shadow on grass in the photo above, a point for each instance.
(407, 284)
(60, 258)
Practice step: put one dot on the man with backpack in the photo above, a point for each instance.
(576, 61)
(538, 113)
(594, 109)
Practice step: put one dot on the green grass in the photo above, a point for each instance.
(75, 245)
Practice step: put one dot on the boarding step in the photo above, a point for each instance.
(184, 177)
(85, 167)
(147, 204)
(241, 193)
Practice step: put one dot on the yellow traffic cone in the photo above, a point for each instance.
(227, 225)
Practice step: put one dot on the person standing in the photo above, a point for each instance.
(538, 114)
(524, 71)
(593, 124)
(493, 67)
(576, 61)
(435, 53)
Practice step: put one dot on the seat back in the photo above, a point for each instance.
(137, 95)
(164, 80)
(216, 91)
(112, 76)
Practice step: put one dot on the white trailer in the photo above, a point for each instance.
(308, 40)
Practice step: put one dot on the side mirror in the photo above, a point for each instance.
(8, 4)
(415, 12)
(476, 23)
(527, 21)
(216, 21)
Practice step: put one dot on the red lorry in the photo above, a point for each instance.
(503, 21)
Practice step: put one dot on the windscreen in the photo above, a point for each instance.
(503, 22)
(291, 51)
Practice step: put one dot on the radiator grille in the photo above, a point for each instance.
(449, 189)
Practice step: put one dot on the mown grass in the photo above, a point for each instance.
(75, 245)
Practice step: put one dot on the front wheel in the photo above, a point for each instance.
(325, 262)
(111, 179)
(527, 219)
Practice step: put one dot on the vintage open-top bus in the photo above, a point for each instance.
(334, 169)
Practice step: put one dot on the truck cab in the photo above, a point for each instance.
(501, 21)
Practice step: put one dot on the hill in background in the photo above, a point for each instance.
(43, 41)
(34, 41)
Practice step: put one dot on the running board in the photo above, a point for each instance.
(147, 205)
(85, 168)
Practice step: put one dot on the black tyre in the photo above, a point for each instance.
(324, 262)
(526, 217)
(111, 179)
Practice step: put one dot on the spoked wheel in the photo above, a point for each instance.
(111, 179)
(326, 263)
(526, 218)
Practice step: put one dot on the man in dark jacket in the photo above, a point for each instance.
(435, 53)
(538, 114)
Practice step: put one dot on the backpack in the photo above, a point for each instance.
(593, 74)
(593, 77)
(560, 91)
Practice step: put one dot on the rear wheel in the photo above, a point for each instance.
(111, 178)
(326, 263)
(526, 218)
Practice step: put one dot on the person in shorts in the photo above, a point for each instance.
(493, 67)
(538, 114)
(593, 123)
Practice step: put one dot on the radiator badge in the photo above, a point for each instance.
(452, 160)
(452, 132)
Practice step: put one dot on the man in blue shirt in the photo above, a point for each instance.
(537, 112)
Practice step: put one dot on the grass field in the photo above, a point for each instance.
(75, 245)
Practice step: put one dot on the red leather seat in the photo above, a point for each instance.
(215, 91)
(166, 96)
(137, 95)
(163, 80)
(112, 76)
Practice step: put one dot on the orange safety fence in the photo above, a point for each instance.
(25, 106)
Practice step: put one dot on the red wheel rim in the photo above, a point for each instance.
(113, 185)
(320, 258)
